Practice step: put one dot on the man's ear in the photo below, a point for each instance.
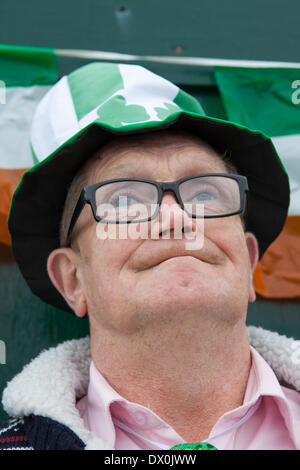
(64, 272)
(253, 251)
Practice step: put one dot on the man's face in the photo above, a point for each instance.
(131, 284)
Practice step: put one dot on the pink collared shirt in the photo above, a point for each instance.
(268, 419)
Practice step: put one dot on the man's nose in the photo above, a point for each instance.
(172, 219)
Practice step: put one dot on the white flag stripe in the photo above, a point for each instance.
(15, 122)
(288, 148)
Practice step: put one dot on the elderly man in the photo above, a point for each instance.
(149, 217)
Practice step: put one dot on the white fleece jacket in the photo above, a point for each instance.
(51, 383)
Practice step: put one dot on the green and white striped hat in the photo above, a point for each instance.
(86, 109)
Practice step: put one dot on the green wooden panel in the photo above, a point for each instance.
(233, 29)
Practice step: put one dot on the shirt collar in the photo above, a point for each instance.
(269, 385)
(100, 395)
(104, 404)
(262, 381)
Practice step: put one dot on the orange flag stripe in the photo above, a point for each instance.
(9, 180)
(278, 273)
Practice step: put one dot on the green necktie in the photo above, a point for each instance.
(196, 446)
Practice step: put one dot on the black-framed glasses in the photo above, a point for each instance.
(135, 200)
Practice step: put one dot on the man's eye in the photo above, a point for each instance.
(204, 196)
(123, 201)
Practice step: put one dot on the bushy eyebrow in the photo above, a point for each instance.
(145, 172)
(123, 171)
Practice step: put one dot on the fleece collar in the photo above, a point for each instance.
(51, 383)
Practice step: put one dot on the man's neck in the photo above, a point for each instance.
(189, 377)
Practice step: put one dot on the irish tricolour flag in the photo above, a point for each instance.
(269, 100)
(26, 74)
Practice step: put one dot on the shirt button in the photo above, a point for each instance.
(140, 418)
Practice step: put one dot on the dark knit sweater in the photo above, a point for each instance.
(37, 433)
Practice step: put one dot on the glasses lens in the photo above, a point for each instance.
(124, 201)
(214, 195)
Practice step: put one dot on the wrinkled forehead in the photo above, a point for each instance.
(162, 155)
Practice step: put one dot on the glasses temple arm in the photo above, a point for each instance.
(78, 208)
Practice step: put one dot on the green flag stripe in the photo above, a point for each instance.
(27, 66)
(261, 98)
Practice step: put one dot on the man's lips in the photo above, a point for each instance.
(180, 263)
(153, 253)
